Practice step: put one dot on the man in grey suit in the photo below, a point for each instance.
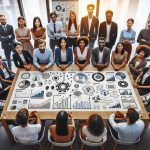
(7, 38)
(101, 55)
(89, 26)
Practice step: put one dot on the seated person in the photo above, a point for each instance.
(142, 82)
(138, 62)
(62, 132)
(119, 57)
(101, 55)
(63, 54)
(42, 57)
(94, 130)
(82, 53)
(26, 132)
(22, 58)
(4, 89)
(127, 131)
(6, 74)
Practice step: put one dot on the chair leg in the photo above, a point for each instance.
(71, 147)
(132, 146)
(115, 146)
(81, 148)
(51, 147)
(41, 146)
(102, 147)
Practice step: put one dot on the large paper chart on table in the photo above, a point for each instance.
(75, 91)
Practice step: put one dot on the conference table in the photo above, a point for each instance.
(79, 115)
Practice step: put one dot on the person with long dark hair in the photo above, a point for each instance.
(61, 131)
(82, 53)
(23, 35)
(72, 30)
(94, 130)
(138, 62)
(119, 57)
(38, 31)
(63, 54)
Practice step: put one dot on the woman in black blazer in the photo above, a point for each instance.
(22, 58)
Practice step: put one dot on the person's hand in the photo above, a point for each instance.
(33, 114)
(59, 31)
(63, 67)
(27, 67)
(7, 88)
(135, 85)
(119, 114)
(42, 69)
(81, 67)
(116, 68)
(126, 41)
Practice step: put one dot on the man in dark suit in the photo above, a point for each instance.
(89, 26)
(101, 55)
(7, 38)
(109, 29)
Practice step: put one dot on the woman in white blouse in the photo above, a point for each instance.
(72, 30)
(82, 53)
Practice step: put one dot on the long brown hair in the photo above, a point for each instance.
(70, 22)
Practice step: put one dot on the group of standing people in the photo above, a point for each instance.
(84, 52)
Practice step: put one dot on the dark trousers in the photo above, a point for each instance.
(7, 53)
(53, 43)
(72, 42)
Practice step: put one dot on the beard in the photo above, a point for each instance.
(42, 50)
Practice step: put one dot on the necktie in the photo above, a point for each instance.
(55, 29)
(5, 29)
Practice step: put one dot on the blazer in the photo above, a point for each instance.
(69, 56)
(84, 27)
(106, 56)
(18, 61)
(2, 73)
(134, 71)
(113, 31)
(7, 43)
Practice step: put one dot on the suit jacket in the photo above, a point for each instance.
(134, 71)
(1, 71)
(84, 28)
(106, 56)
(113, 32)
(18, 61)
(69, 56)
(7, 43)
